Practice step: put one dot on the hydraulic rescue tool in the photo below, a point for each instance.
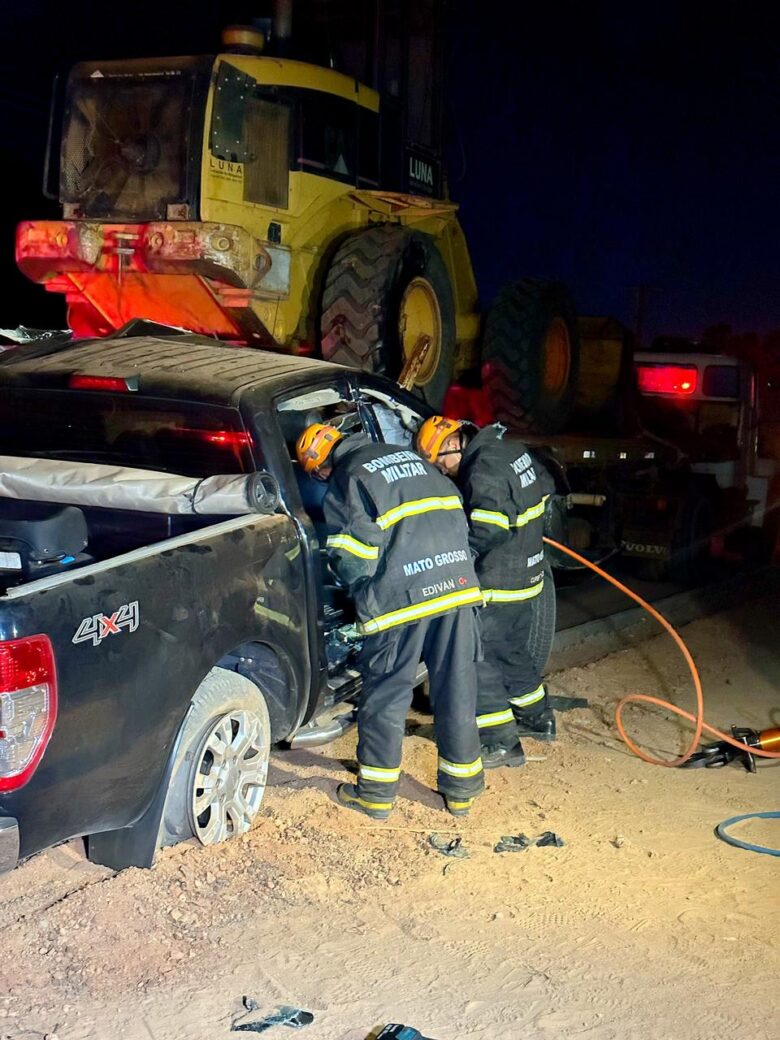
(720, 753)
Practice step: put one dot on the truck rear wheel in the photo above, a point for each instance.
(531, 356)
(690, 558)
(219, 775)
(386, 287)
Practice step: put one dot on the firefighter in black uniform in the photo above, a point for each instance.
(504, 492)
(398, 539)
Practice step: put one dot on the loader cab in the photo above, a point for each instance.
(213, 193)
(276, 130)
(165, 139)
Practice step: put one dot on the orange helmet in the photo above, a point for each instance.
(433, 433)
(315, 445)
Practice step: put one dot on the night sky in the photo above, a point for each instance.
(606, 145)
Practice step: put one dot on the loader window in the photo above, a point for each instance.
(328, 136)
(131, 138)
(228, 138)
(266, 173)
(250, 125)
(368, 148)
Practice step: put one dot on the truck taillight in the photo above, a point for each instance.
(677, 380)
(117, 385)
(224, 438)
(28, 707)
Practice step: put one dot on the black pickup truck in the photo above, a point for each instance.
(150, 658)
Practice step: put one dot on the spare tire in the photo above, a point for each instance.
(386, 286)
(531, 356)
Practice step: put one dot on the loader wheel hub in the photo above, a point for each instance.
(420, 315)
(557, 357)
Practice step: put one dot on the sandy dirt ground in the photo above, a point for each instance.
(644, 925)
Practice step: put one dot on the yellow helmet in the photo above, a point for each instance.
(433, 433)
(315, 445)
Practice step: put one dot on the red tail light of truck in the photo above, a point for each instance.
(675, 380)
(112, 384)
(28, 707)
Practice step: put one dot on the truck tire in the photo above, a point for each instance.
(690, 559)
(219, 774)
(531, 356)
(385, 287)
(542, 633)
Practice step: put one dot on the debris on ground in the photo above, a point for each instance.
(278, 912)
(449, 846)
(398, 1032)
(520, 842)
(513, 843)
(560, 703)
(292, 1017)
(549, 838)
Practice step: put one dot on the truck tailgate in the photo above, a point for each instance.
(133, 637)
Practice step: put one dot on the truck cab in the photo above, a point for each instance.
(707, 405)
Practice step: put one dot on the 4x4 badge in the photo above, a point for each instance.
(94, 629)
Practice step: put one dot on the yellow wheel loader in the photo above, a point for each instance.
(283, 204)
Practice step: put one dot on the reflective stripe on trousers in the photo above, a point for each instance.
(418, 611)
(388, 661)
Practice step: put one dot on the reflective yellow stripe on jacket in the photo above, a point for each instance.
(512, 595)
(420, 505)
(421, 610)
(497, 519)
(489, 516)
(532, 513)
(353, 546)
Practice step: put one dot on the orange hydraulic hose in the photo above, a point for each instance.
(637, 698)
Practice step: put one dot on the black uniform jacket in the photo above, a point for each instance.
(504, 493)
(397, 535)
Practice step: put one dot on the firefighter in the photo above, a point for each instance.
(398, 540)
(504, 492)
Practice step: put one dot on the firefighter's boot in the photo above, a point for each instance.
(349, 796)
(495, 755)
(458, 806)
(540, 726)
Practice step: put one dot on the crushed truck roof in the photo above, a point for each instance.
(170, 366)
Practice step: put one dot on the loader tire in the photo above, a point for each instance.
(386, 285)
(531, 356)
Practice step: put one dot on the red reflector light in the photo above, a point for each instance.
(113, 383)
(680, 380)
(227, 438)
(234, 438)
(28, 707)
